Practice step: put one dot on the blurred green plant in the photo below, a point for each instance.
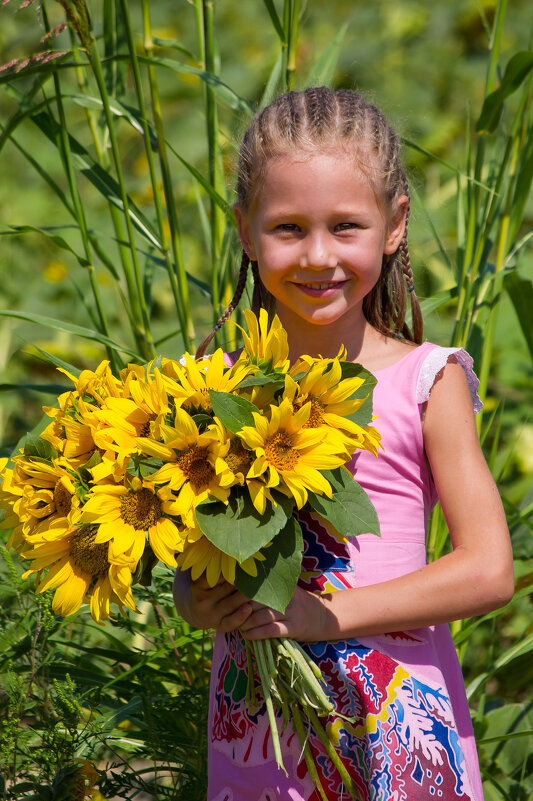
(129, 700)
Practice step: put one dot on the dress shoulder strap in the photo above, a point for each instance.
(436, 359)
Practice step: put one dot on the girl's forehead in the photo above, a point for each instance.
(333, 170)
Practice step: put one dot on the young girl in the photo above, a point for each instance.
(322, 212)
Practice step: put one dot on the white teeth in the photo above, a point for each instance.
(327, 285)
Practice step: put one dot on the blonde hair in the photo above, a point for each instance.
(320, 117)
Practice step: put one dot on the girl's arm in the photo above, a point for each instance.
(476, 577)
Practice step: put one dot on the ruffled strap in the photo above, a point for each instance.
(436, 359)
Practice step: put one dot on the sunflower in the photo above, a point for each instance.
(200, 555)
(263, 343)
(122, 513)
(47, 504)
(329, 394)
(290, 454)
(193, 379)
(70, 435)
(194, 463)
(10, 500)
(239, 460)
(71, 431)
(78, 566)
(123, 420)
(94, 385)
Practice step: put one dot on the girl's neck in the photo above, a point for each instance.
(325, 340)
(363, 343)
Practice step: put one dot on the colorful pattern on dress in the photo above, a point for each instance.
(401, 744)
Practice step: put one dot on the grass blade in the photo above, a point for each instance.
(69, 328)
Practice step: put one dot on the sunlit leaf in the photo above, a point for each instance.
(233, 411)
(520, 290)
(237, 528)
(349, 510)
(324, 67)
(516, 72)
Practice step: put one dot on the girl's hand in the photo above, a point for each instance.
(306, 619)
(221, 607)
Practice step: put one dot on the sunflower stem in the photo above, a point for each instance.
(333, 755)
(303, 736)
(265, 683)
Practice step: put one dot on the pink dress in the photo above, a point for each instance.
(411, 738)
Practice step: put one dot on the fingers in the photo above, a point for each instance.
(221, 607)
(263, 622)
(235, 619)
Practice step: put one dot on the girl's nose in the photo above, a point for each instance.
(318, 252)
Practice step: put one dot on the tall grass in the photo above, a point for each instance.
(93, 93)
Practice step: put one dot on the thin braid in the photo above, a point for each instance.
(239, 289)
(416, 313)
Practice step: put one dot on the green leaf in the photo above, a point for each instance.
(237, 528)
(324, 68)
(35, 446)
(50, 358)
(520, 290)
(15, 230)
(209, 188)
(32, 435)
(437, 300)
(104, 183)
(70, 328)
(350, 511)
(506, 723)
(259, 379)
(272, 84)
(522, 190)
(517, 650)
(278, 575)
(47, 389)
(173, 44)
(271, 8)
(145, 565)
(232, 411)
(516, 72)
(224, 92)
(363, 416)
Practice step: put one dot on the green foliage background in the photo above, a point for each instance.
(134, 692)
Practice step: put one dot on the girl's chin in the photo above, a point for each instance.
(321, 316)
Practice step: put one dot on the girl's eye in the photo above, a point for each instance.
(345, 226)
(288, 227)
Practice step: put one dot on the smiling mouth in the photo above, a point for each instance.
(320, 285)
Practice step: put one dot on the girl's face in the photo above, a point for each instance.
(318, 233)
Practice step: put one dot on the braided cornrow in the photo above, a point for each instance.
(319, 117)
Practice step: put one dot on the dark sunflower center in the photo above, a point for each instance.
(140, 508)
(145, 429)
(62, 499)
(280, 452)
(196, 467)
(89, 556)
(238, 459)
(316, 417)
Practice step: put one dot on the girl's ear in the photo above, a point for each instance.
(243, 226)
(396, 225)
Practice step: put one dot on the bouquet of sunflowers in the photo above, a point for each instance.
(199, 464)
